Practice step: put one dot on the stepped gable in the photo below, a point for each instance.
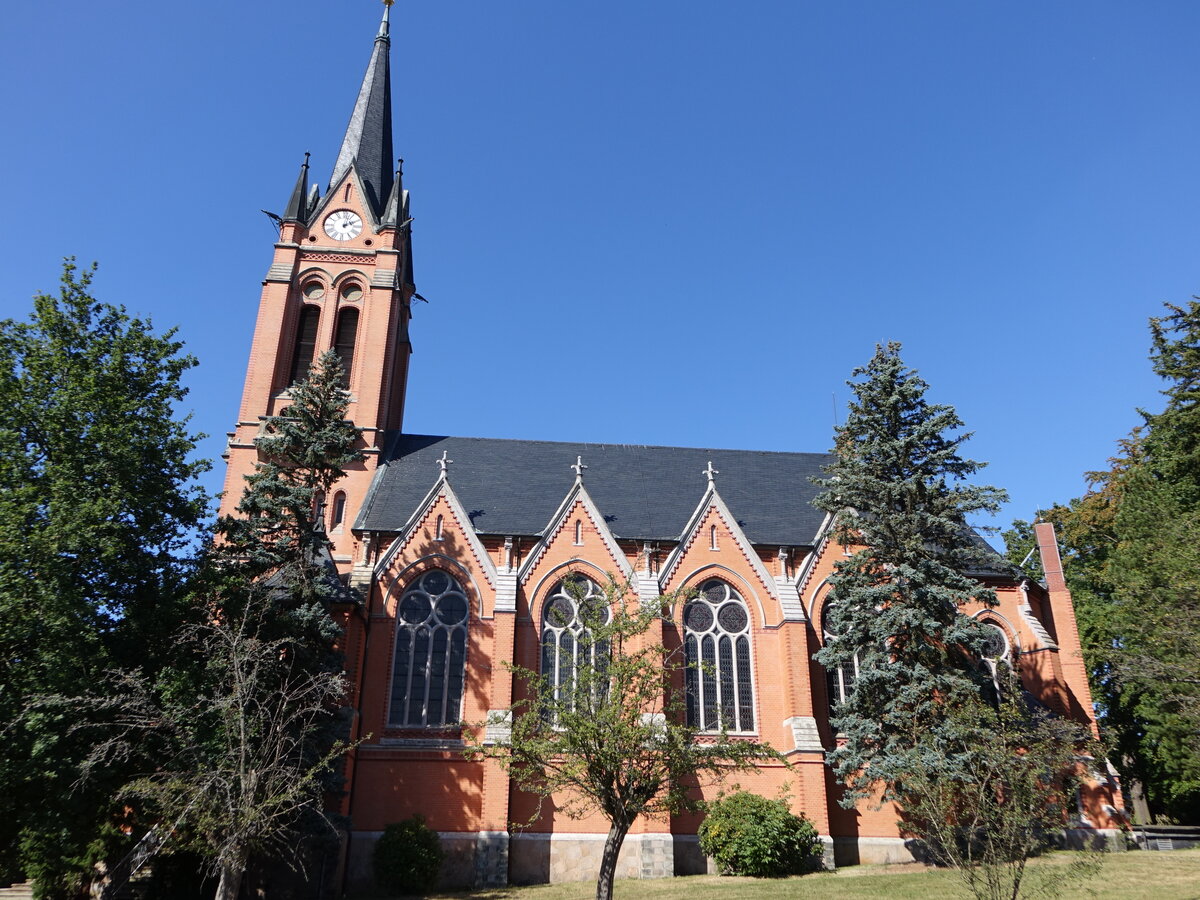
(645, 493)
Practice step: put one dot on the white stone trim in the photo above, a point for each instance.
(440, 489)
(805, 736)
(712, 500)
(1034, 623)
(558, 521)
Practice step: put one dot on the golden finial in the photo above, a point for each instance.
(388, 2)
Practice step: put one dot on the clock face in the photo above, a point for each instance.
(343, 225)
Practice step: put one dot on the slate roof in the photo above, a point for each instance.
(645, 493)
(368, 140)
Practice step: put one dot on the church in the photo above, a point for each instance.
(459, 546)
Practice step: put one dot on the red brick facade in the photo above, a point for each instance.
(506, 578)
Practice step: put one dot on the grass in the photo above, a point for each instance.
(1136, 875)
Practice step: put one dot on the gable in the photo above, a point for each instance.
(577, 533)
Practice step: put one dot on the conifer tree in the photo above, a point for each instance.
(897, 493)
(277, 536)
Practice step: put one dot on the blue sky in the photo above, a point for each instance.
(652, 222)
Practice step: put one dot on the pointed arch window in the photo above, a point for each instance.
(839, 680)
(567, 641)
(338, 515)
(431, 653)
(306, 342)
(347, 334)
(720, 687)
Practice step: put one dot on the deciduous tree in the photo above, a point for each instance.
(996, 790)
(245, 723)
(613, 738)
(98, 509)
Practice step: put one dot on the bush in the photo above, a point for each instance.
(750, 835)
(407, 857)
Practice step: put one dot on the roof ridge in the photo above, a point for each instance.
(613, 444)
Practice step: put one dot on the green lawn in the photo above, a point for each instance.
(1136, 875)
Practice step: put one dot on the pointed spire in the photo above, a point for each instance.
(391, 212)
(297, 208)
(368, 140)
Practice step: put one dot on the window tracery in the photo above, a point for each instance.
(566, 638)
(720, 690)
(839, 680)
(430, 662)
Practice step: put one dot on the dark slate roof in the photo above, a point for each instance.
(368, 140)
(645, 493)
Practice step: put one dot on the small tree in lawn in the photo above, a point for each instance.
(896, 491)
(996, 790)
(612, 738)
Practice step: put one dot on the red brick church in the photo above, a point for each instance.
(459, 545)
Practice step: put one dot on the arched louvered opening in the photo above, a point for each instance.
(720, 686)
(306, 343)
(431, 653)
(343, 346)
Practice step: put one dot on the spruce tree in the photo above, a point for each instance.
(897, 493)
(277, 539)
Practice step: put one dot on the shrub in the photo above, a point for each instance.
(750, 835)
(407, 857)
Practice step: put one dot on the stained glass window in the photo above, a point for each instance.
(720, 689)
(431, 653)
(566, 639)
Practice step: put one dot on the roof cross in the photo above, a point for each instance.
(710, 472)
(444, 462)
(578, 466)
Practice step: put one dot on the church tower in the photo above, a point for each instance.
(341, 279)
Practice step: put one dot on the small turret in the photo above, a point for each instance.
(297, 208)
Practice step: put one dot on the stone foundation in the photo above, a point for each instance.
(459, 864)
(491, 859)
(850, 851)
(496, 858)
(542, 858)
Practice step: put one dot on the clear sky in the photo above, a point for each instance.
(654, 222)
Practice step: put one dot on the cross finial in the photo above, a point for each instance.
(444, 462)
(710, 472)
(578, 466)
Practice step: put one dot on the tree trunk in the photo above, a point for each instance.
(230, 885)
(608, 862)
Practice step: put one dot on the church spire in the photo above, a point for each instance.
(368, 140)
(297, 208)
